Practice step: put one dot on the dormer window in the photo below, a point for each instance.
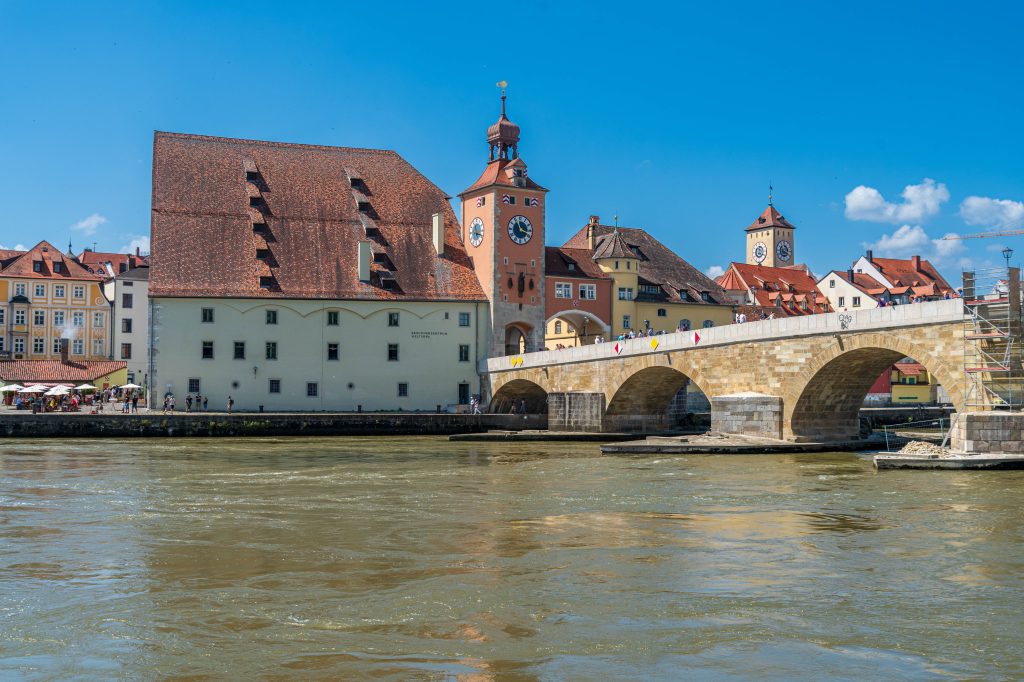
(259, 228)
(572, 267)
(252, 176)
(267, 282)
(263, 254)
(37, 266)
(57, 267)
(705, 296)
(518, 173)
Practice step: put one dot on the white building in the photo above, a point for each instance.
(298, 277)
(129, 296)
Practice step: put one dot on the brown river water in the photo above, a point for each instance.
(420, 559)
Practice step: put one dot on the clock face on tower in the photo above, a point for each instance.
(476, 232)
(520, 229)
(783, 250)
(760, 252)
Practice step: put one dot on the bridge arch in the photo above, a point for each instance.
(643, 399)
(825, 403)
(510, 395)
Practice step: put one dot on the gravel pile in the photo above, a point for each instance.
(917, 447)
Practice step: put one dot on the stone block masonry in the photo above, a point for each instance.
(575, 411)
(747, 414)
(982, 433)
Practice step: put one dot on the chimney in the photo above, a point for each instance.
(64, 350)
(916, 262)
(138, 252)
(365, 256)
(849, 273)
(595, 220)
(870, 256)
(438, 225)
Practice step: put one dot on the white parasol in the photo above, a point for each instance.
(85, 387)
(11, 388)
(131, 387)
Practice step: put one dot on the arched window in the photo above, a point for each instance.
(708, 324)
(684, 325)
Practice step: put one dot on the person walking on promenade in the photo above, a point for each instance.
(135, 402)
(188, 403)
(206, 403)
(167, 402)
(231, 403)
(522, 407)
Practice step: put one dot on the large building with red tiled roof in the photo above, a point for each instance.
(638, 283)
(871, 282)
(49, 297)
(774, 292)
(109, 264)
(307, 277)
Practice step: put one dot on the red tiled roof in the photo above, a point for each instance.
(94, 261)
(613, 246)
(494, 174)
(901, 272)
(658, 264)
(47, 254)
(770, 218)
(32, 371)
(557, 258)
(786, 288)
(909, 368)
(203, 242)
(864, 282)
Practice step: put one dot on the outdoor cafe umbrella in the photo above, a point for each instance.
(131, 387)
(11, 388)
(58, 390)
(35, 388)
(85, 387)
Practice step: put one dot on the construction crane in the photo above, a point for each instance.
(984, 235)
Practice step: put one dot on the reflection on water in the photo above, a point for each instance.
(426, 560)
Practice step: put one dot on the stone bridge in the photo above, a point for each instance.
(801, 378)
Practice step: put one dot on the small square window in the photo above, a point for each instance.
(271, 317)
(40, 290)
(392, 319)
(126, 325)
(312, 389)
(626, 322)
(239, 350)
(393, 352)
(463, 352)
(127, 300)
(126, 351)
(332, 351)
(842, 301)
(275, 386)
(193, 385)
(463, 319)
(271, 350)
(207, 350)
(207, 314)
(831, 284)
(403, 390)
(662, 312)
(332, 318)
(79, 292)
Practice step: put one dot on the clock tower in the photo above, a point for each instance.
(503, 230)
(770, 239)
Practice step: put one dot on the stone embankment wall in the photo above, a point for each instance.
(983, 433)
(238, 425)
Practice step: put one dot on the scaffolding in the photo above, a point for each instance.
(992, 339)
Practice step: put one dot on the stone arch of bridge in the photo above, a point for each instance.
(643, 397)
(825, 403)
(510, 396)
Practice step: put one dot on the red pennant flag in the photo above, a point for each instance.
(696, 338)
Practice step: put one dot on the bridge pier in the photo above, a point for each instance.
(748, 414)
(576, 411)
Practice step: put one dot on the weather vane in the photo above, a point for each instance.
(502, 85)
(770, 190)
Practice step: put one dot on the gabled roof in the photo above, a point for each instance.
(770, 217)
(317, 203)
(22, 264)
(682, 282)
(495, 174)
(902, 272)
(96, 260)
(785, 288)
(861, 281)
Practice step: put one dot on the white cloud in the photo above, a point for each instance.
(141, 241)
(16, 247)
(715, 271)
(1002, 213)
(912, 240)
(89, 224)
(919, 202)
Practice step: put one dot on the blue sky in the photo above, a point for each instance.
(675, 118)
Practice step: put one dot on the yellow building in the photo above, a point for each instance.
(49, 297)
(911, 384)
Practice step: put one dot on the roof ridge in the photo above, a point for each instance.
(267, 143)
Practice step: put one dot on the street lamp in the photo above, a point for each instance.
(1007, 254)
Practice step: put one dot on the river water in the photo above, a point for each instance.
(420, 559)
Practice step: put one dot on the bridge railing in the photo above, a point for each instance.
(911, 314)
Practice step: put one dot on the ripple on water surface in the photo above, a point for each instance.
(423, 559)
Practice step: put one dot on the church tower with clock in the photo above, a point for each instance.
(503, 230)
(770, 239)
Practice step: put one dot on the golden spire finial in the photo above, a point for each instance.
(502, 85)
